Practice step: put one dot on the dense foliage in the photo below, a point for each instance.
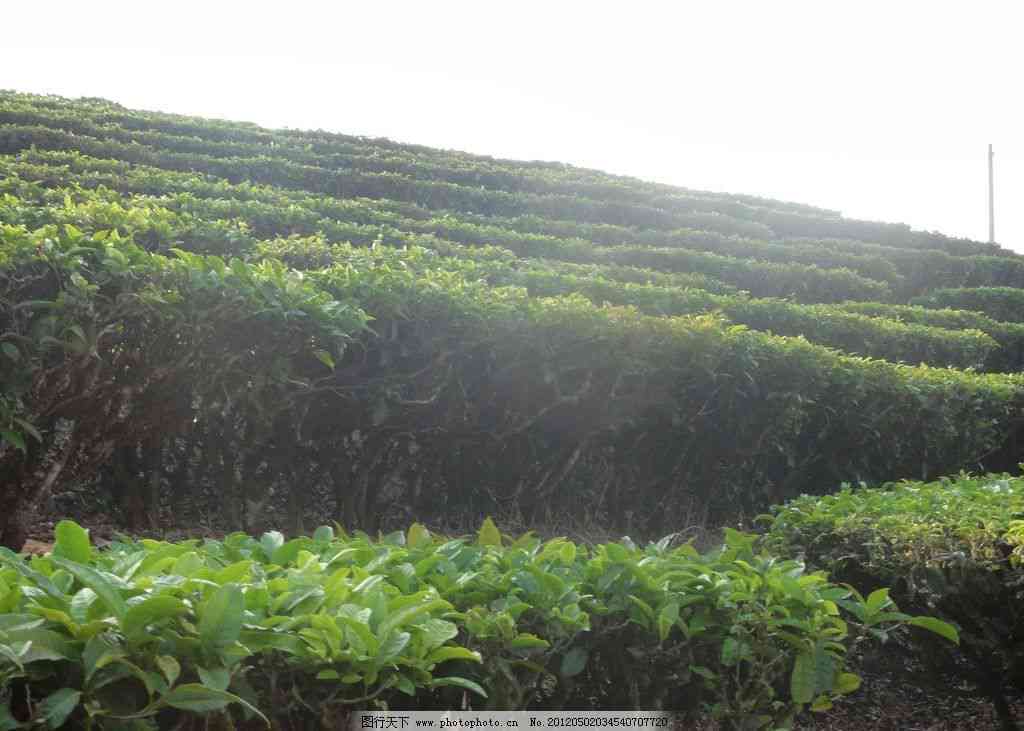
(239, 324)
(999, 303)
(299, 632)
(952, 548)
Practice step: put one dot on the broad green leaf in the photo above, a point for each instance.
(41, 644)
(527, 641)
(72, 542)
(460, 683)
(324, 357)
(394, 645)
(730, 651)
(417, 535)
(405, 685)
(324, 533)
(200, 699)
(801, 683)
(877, 601)
(220, 618)
(667, 618)
(99, 652)
(435, 632)
(821, 703)
(91, 578)
(216, 678)
(442, 654)
(148, 611)
(489, 535)
(57, 706)
(80, 603)
(943, 629)
(169, 666)
(271, 541)
(573, 662)
(847, 683)
(287, 552)
(34, 578)
(404, 617)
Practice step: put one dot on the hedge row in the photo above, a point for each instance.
(344, 183)
(236, 227)
(855, 334)
(962, 271)
(822, 324)
(999, 303)
(802, 282)
(103, 342)
(473, 230)
(462, 397)
(953, 548)
(355, 182)
(300, 633)
(161, 228)
(785, 217)
(456, 167)
(1007, 358)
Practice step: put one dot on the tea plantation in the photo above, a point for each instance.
(245, 333)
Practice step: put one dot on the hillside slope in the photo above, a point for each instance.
(211, 317)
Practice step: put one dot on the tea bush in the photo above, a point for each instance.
(952, 548)
(999, 303)
(281, 631)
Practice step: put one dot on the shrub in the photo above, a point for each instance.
(999, 303)
(306, 629)
(951, 548)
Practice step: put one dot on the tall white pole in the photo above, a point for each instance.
(991, 200)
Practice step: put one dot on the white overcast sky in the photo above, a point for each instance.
(881, 110)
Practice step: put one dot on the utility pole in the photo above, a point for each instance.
(991, 200)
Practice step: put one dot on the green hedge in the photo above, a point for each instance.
(802, 282)
(999, 303)
(822, 324)
(217, 137)
(104, 342)
(299, 633)
(1007, 358)
(952, 548)
(454, 365)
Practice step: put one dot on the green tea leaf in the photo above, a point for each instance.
(220, 618)
(802, 680)
(573, 662)
(489, 535)
(216, 678)
(460, 683)
(527, 641)
(324, 533)
(271, 541)
(169, 666)
(847, 683)
(91, 578)
(877, 601)
(148, 611)
(417, 535)
(324, 357)
(442, 654)
(72, 542)
(200, 699)
(57, 706)
(943, 629)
